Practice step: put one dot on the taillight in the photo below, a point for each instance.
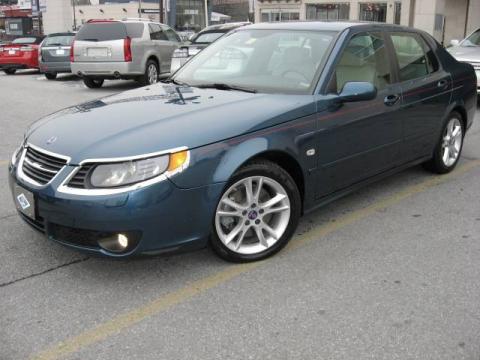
(127, 49)
(72, 54)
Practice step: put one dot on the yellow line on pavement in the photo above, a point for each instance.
(123, 321)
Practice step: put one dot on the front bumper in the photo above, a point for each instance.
(165, 217)
(106, 69)
(177, 63)
(55, 67)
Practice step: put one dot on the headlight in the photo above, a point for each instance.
(135, 171)
(16, 155)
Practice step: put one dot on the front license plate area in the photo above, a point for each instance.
(24, 201)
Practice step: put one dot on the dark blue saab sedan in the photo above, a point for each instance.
(270, 122)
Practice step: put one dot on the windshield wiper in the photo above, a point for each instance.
(222, 86)
(176, 82)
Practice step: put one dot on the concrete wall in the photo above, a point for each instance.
(473, 16)
(58, 17)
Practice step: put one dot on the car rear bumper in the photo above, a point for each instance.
(162, 217)
(4, 66)
(106, 69)
(55, 67)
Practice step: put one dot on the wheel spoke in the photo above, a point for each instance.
(276, 209)
(450, 127)
(249, 190)
(275, 200)
(229, 213)
(240, 239)
(446, 155)
(233, 234)
(456, 131)
(261, 237)
(258, 190)
(233, 204)
(272, 232)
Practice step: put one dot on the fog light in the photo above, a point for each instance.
(122, 241)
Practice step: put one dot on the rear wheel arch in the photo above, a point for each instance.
(463, 113)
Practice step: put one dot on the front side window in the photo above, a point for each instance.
(328, 11)
(415, 58)
(363, 59)
(274, 61)
(373, 12)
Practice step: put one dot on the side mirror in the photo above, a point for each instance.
(357, 91)
(454, 42)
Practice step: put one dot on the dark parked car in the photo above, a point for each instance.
(265, 124)
(200, 41)
(54, 54)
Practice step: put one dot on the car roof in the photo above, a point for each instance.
(323, 25)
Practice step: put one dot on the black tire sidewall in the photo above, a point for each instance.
(10, 71)
(144, 79)
(275, 172)
(51, 76)
(93, 83)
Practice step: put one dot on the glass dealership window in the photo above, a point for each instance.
(373, 12)
(328, 11)
(280, 15)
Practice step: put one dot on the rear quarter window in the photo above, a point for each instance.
(102, 31)
(135, 30)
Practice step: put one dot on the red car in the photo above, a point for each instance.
(21, 53)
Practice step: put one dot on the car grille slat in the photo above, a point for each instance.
(41, 167)
(79, 180)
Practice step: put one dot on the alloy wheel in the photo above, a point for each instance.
(252, 215)
(152, 74)
(452, 142)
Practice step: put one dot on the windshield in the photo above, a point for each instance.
(61, 40)
(472, 40)
(207, 38)
(278, 61)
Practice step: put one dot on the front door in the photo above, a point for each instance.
(357, 140)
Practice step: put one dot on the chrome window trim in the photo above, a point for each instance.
(24, 177)
(64, 188)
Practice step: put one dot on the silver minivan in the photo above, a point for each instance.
(127, 49)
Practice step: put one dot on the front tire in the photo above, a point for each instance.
(93, 83)
(51, 76)
(449, 148)
(257, 214)
(10, 71)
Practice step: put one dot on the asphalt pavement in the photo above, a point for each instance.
(390, 272)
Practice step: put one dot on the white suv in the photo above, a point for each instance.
(127, 49)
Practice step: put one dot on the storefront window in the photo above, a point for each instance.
(328, 11)
(373, 12)
(190, 15)
(280, 15)
(398, 12)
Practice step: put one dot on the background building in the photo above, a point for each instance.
(444, 19)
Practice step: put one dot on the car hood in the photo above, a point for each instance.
(161, 117)
(466, 53)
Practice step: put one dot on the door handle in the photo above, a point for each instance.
(391, 100)
(442, 84)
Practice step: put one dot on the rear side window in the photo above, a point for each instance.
(134, 30)
(102, 31)
(415, 58)
(156, 32)
(363, 59)
(61, 40)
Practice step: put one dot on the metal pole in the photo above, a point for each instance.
(206, 13)
(160, 10)
(140, 9)
(74, 16)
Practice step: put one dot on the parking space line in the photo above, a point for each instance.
(165, 302)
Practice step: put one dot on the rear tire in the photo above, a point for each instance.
(93, 83)
(449, 147)
(253, 227)
(151, 74)
(51, 76)
(10, 71)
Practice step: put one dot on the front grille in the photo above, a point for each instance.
(80, 237)
(79, 180)
(41, 167)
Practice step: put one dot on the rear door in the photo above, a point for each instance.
(357, 140)
(426, 92)
(101, 42)
(165, 44)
